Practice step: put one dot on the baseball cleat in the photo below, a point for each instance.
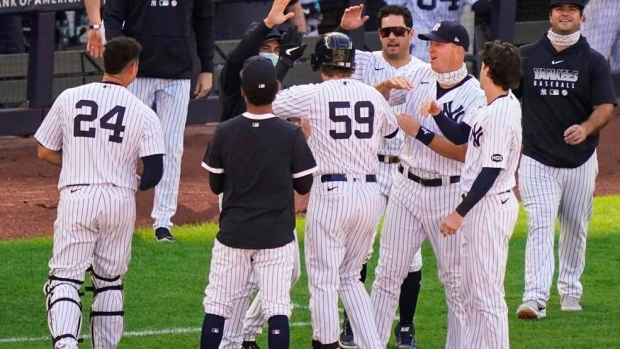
(346, 339)
(531, 310)
(163, 234)
(249, 345)
(404, 336)
(569, 303)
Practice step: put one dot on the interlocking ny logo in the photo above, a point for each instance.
(476, 133)
(451, 113)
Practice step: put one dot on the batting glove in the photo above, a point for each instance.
(291, 48)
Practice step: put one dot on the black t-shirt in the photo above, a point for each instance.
(259, 156)
(560, 89)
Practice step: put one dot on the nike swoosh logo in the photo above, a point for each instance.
(379, 68)
(556, 62)
(288, 52)
(424, 82)
(74, 190)
(505, 201)
(332, 188)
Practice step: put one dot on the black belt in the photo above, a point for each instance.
(388, 159)
(343, 178)
(435, 182)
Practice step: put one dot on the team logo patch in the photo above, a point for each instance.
(497, 158)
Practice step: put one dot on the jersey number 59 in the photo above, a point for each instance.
(360, 118)
(117, 126)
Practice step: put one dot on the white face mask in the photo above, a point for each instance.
(272, 56)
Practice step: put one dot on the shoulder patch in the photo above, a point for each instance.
(497, 158)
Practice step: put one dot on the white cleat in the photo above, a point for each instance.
(569, 303)
(531, 310)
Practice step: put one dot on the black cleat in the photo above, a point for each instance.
(249, 345)
(404, 337)
(346, 339)
(163, 234)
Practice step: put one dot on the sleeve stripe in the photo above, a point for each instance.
(211, 169)
(305, 173)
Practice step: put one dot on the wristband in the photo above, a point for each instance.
(425, 135)
(95, 26)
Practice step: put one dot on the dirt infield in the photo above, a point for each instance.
(28, 194)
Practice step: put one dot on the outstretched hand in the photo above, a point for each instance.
(430, 107)
(276, 15)
(352, 18)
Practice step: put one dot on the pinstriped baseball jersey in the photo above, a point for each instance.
(457, 104)
(427, 13)
(371, 68)
(494, 141)
(102, 129)
(346, 142)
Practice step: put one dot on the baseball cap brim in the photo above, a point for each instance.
(431, 37)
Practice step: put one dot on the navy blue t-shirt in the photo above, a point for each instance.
(558, 90)
(259, 156)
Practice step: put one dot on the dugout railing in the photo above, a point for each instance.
(42, 74)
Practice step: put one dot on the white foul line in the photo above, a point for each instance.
(131, 333)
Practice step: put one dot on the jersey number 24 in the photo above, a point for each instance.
(117, 126)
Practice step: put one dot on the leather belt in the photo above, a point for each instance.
(343, 178)
(435, 182)
(388, 159)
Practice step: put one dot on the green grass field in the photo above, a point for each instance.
(165, 283)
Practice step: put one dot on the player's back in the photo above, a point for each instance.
(103, 125)
(347, 119)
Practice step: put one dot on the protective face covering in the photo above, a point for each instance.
(272, 56)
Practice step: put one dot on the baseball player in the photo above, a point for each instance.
(488, 212)
(96, 133)
(568, 97)
(258, 215)
(167, 30)
(601, 26)
(347, 118)
(371, 68)
(426, 187)
(426, 13)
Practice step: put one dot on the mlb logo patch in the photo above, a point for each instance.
(276, 331)
(255, 124)
(215, 330)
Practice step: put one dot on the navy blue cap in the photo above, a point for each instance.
(448, 31)
(258, 73)
(579, 3)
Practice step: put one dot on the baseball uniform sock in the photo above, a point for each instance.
(279, 332)
(409, 291)
(212, 331)
(363, 280)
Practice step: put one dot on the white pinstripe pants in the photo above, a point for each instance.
(385, 178)
(170, 97)
(549, 193)
(415, 213)
(229, 275)
(486, 231)
(94, 226)
(340, 225)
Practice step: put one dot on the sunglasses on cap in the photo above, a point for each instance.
(398, 31)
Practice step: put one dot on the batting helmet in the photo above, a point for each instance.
(333, 49)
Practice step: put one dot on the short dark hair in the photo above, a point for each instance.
(397, 11)
(331, 71)
(262, 96)
(119, 53)
(504, 62)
